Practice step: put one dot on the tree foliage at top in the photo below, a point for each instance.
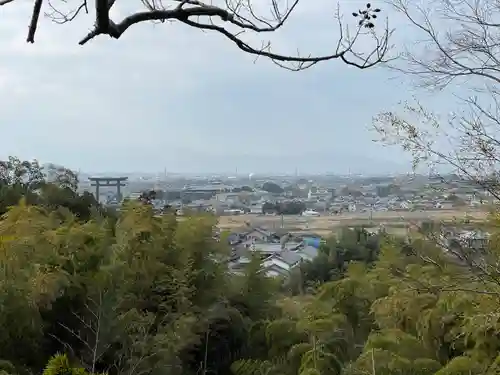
(52, 187)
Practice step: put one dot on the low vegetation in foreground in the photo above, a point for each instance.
(135, 294)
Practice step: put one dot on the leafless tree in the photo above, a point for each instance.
(457, 52)
(233, 19)
(458, 49)
(96, 331)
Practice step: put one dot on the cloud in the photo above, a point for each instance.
(166, 95)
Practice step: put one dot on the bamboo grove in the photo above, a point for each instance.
(91, 292)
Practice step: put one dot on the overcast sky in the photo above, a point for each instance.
(167, 96)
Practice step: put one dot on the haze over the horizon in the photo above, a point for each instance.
(170, 97)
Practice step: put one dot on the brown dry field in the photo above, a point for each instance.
(395, 221)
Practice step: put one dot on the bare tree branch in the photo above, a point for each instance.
(458, 40)
(458, 48)
(94, 331)
(463, 141)
(231, 19)
(34, 21)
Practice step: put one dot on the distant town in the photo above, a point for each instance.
(296, 195)
(285, 219)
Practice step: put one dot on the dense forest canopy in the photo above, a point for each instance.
(139, 294)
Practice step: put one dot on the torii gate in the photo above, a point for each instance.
(117, 182)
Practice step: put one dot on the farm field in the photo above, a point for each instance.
(394, 221)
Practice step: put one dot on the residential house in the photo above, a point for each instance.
(465, 240)
(256, 208)
(234, 239)
(405, 205)
(279, 254)
(476, 240)
(284, 260)
(276, 271)
(261, 235)
(308, 253)
(265, 249)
